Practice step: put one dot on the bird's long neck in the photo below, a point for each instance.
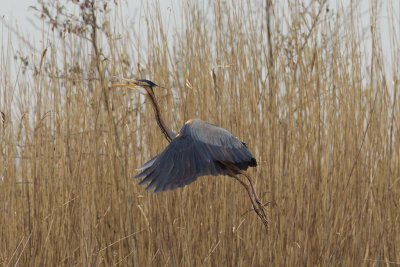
(169, 135)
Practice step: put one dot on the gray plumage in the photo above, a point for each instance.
(199, 149)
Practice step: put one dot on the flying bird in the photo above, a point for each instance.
(199, 149)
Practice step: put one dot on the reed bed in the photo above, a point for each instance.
(312, 92)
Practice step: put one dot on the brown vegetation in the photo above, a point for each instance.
(319, 111)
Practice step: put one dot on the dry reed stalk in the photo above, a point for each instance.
(321, 115)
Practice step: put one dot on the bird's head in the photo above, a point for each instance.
(144, 86)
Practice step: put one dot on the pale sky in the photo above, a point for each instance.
(18, 14)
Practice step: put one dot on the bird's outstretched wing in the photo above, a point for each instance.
(199, 149)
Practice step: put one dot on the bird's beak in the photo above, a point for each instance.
(124, 85)
(131, 84)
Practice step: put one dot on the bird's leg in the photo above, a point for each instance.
(252, 187)
(258, 208)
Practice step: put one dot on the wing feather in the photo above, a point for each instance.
(200, 149)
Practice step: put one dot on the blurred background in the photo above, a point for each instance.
(310, 86)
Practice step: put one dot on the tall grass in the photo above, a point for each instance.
(313, 97)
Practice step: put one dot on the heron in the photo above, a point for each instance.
(199, 149)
